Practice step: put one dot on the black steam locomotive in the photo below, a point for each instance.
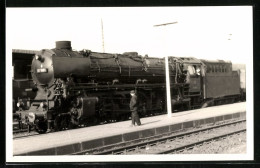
(78, 88)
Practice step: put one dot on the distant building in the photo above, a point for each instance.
(22, 79)
(21, 62)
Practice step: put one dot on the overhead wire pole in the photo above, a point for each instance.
(103, 45)
(167, 74)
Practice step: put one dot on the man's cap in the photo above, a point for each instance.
(132, 91)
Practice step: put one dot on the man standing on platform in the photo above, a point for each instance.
(134, 109)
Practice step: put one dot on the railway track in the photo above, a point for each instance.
(199, 143)
(23, 133)
(174, 143)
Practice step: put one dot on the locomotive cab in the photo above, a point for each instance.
(194, 70)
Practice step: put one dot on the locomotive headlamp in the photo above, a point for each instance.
(20, 104)
(31, 117)
(39, 58)
(42, 105)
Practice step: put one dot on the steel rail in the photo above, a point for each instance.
(191, 145)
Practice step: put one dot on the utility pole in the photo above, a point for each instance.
(167, 74)
(165, 24)
(103, 45)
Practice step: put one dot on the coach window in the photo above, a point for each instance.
(208, 68)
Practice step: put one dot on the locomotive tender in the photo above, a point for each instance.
(75, 88)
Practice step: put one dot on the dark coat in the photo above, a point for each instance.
(133, 103)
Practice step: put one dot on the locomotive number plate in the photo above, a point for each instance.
(42, 70)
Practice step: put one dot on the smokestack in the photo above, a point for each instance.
(63, 45)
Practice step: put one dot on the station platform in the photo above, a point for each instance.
(72, 141)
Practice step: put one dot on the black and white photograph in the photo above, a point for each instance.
(111, 84)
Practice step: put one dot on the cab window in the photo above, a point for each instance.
(191, 70)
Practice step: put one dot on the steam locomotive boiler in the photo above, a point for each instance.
(77, 88)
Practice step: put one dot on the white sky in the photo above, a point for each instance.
(201, 32)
